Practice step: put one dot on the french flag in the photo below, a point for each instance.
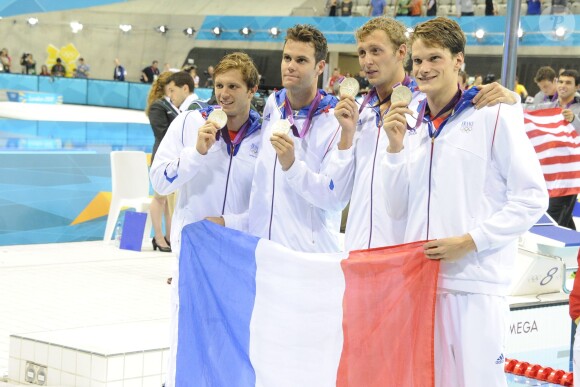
(254, 313)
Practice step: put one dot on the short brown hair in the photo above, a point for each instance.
(545, 73)
(181, 78)
(309, 34)
(573, 74)
(394, 29)
(239, 61)
(441, 32)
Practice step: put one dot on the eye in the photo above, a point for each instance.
(417, 61)
(361, 54)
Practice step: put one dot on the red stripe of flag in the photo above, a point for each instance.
(559, 192)
(554, 144)
(538, 132)
(560, 159)
(549, 125)
(564, 175)
(388, 318)
(543, 112)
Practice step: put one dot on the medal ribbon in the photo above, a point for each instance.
(288, 114)
(233, 145)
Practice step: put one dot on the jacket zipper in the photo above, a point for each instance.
(429, 194)
(372, 184)
(273, 192)
(227, 181)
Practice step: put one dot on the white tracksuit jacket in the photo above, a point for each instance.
(209, 185)
(480, 176)
(358, 173)
(298, 208)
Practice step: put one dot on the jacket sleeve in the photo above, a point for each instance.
(177, 160)
(575, 295)
(317, 188)
(341, 168)
(158, 120)
(396, 183)
(527, 196)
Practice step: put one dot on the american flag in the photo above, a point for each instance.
(558, 147)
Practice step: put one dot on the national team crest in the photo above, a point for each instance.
(467, 126)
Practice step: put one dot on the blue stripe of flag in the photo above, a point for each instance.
(217, 288)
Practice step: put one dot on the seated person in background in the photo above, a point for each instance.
(58, 69)
(521, 90)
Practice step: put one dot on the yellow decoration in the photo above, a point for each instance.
(97, 208)
(68, 54)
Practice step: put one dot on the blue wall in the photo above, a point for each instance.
(339, 30)
(18, 7)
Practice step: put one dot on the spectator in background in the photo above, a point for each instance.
(534, 7)
(546, 80)
(333, 81)
(5, 60)
(462, 79)
(363, 82)
(209, 80)
(415, 8)
(477, 81)
(161, 113)
(346, 8)
(119, 73)
(403, 7)
(82, 70)
(58, 69)
(490, 9)
(431, 7)
(464, 7)
(332, 7)
(521, 90)
(192, 70)
(378, 7)
(44, 71)
(28, 64)
(150, 73)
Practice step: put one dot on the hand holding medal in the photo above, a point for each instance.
(395, 122)
(346, 111)
(206, 135)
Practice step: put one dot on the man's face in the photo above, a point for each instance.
(435, 68)
(154, 65)
(379, 59)
(210, 70)
(300, 70)
(547, 87)
(232, 93)
(566, 87)
(177, 94)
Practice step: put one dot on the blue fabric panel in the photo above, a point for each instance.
(138, 95)
(217, 288)
(565, 235)
(72, 90)
(108, 93)
(18, 82)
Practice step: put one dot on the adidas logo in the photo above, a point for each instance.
(500, 359)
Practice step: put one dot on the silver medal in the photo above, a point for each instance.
(401, 93)
(348, 87)
(219, 117)
(281, 126)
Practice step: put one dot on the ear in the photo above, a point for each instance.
(402, 51)
(459, 59)
(320, 67)
(253, 90)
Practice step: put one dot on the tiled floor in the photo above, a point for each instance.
(63, 291)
